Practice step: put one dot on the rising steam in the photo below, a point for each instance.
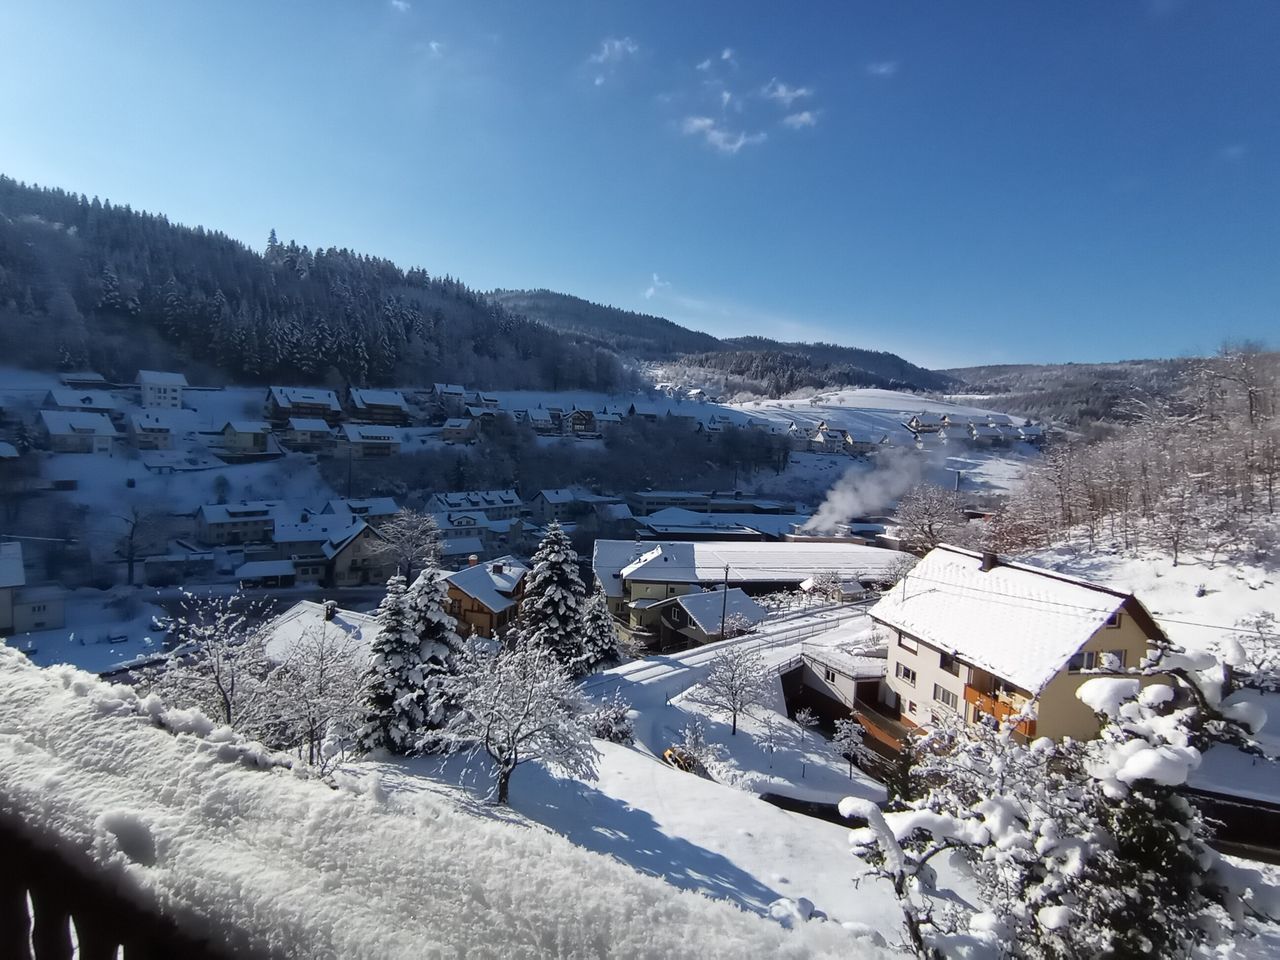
(860, 492)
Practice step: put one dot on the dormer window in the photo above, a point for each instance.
(1113, 621)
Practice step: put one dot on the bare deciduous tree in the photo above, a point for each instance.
(736, 684)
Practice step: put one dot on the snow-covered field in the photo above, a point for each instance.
(104, 630)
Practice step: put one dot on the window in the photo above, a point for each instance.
(906, 674)
(37, 608)
(911, 706)
(949, 664)
(1097, 660)
(945, 696)
(1113, 621)
(828, 675)
(908, 643)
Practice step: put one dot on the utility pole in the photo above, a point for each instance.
(724, 600)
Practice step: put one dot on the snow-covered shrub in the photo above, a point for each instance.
(611, 721)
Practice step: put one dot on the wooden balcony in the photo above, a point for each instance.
(1000, 706)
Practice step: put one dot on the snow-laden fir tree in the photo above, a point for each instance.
(516, 702)
(551, 613)
(395, 684)
(599, 636)
(439, 643)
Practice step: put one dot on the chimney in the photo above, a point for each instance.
(989, 561)
(472, 560)
(330, 610)
(497, 568)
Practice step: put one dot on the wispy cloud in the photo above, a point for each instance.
(718, 137)
(403, 6)
(784, 94)
(704, 65)
(884, 69)
(805, 118)
(613, 50)
(726, 98)
(655, 285)
(1233, 152)
(726, 55)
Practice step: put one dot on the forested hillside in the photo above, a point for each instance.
(85, 283)
(1073, 394)
(752, 364)
(634, 334)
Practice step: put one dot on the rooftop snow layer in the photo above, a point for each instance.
(1018, 622)
(161, 378)
(705, 609)
(705, 562)
(72, 423)
(491, 582)
(307, 617)
(286, 397)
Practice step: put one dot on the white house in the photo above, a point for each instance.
(161, 389)
(365, 441)
(494, 504)
(65, 432)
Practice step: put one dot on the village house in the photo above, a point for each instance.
(356, 557)
(459, 430)
(993, 640)
(834, 683)
(860, 444)
(149, 431)
(449, 398)
(541, 422)
(695, 618)
(309, 621)
(362, 441)
(25, 609)
(83, 380)
(309, 402)
(65, 432)
(926, 422)
(485, 597)
(158, 388)
(1032, 433)
(248, 521)
(307, 434)
(372, 509)
(494, 504)
(483, 401)
(637, 575)
(246, 437)
(582, 423)
(385, 407)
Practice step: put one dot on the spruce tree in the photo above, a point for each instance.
(599, 635)
(439, 643)
(552, 609)
(395, 685)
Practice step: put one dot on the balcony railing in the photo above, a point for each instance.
(1001, 707)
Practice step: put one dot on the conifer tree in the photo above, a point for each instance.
(599, 635)
(395, 685)
(552, 609)
(439, 643)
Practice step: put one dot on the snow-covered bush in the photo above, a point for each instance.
(611, 721)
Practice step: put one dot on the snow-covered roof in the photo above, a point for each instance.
(672, 518)
(69, 399)
(492, 582)
(366, 507)
(286, 397)
(850, 665)
(461, 547)
(243, 510)
(319, 528)
(704, 609)
(310, 424)
(451, 388)
(67, 423)
(983, 431)
(12, 573)
(264, 568)
(248, 426)
(476, 499)
(560, 495)
(368, 433)
(378, 398)
(458, 423)
(161, 378)
(608, 557)
(1018, 622)
(8, 451)
(308, 617)
(343, 539)
(704, 562)
(613, 511)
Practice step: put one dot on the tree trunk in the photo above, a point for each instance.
(504, 783)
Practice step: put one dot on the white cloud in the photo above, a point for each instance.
(704, 65)
(657, 284)
(613, 50)
(401, 5)
(786, 95)
(726, 53)
(436, 48)
(726, 98)
(805, 118)
(717, 137)
(599, 80)
(882, 68)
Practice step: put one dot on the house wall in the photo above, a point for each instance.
(6, 610)
(360, 563)
(927, 663)
(47, 614)
(1059, 713)
(161, 395)
(830, 683)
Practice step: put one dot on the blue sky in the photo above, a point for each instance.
(960, 182)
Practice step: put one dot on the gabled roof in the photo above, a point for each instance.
(320, 528)
(243, 510)
(12, 573)
(705, 562)
(343, 539)
(476, 499)
(1016, 621)
(70, 399)
(450, 388)
(704, 609)
(366, 507)
(67, 423)
(378, 398)
(286, 397)
(492, 582)
(161, 378)
(248, 426)
(458, 423)
(559, 495)
(368, 433)
(306, 617)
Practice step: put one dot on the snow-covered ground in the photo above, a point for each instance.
(104, 630)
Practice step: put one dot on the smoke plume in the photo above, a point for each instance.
(860, 492)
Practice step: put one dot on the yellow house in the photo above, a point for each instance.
(976, 634)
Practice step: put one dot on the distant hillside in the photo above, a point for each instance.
(87, 283)
(637, 335)
(756, 363)
(1073, 394)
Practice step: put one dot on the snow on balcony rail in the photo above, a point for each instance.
(213, 834)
